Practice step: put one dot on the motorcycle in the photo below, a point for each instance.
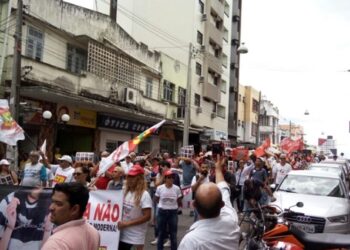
(267, 229)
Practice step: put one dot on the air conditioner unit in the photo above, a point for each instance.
(199, 110)
(213, 115)
(201, 79)
(130, 95)
(204, 17)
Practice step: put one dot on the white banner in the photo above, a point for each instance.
(103, 211)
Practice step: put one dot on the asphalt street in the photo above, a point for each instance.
(185, 221)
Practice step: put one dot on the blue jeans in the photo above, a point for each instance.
(167, 218)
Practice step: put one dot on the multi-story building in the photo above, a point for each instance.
(170, 26)
(291, 130)
(248, 116)
(79, 62)
(268, 121)
(327, 146)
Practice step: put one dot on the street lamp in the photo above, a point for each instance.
(65, 118)
(242, 49)
(306, 112)
(47, 115)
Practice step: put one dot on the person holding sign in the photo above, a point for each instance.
(137, 209)
(7, 176)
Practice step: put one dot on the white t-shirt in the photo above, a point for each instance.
(168, 196)
(281, 172)
(126, 166)
(61, 175)
(194, 180)
(135, 234)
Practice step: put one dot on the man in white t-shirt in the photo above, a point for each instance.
(282, 169)
(62, 172)
(127, 164)
(34, 173)
(168, 196)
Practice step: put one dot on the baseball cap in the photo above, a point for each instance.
(66, 158)
(168, 173)
(136, 170)
(4, 162)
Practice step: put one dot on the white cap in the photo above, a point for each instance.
(66, 158)
(4, 162)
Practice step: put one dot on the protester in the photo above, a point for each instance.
(168, 196)
(198, 180)
(102, 181)
(137, 208)
(82, 175)
(24, 221)
(8, 176)
(239, 186)
(69, 201)
(34, 173)
(62, 172)
(117, 179)
(282, 169)
(217, 227)
(127, 163)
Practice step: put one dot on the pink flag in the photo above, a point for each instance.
(10, 131)
(126, 148)
(288, 145)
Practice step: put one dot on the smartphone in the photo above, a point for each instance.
(230, 165)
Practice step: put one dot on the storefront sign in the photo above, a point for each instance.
(215, 135)
(78, 117)
(106, 121)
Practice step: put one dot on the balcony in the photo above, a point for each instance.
(218, 7)
(211, 91)
(214, 63)
(215, 34)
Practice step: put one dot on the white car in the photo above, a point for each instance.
(330, 167)
(326, 201)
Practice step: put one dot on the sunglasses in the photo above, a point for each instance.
(77, 174)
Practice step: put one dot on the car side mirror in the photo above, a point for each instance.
(300, 204)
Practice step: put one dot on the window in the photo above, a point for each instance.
(199, 38)
(76, 59)
(226, 35)
(264, 120)
(181, 102)
(197, 100)
(223, 86)
(198, 69)
(214, 107)
(201, 6)
(149, 86)
(168, 91)
(221, 111)
(254, 129)
(255, 106)
(216, 80)
(35, 44)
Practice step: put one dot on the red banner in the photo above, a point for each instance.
(260, 151)
(288, 145)
(240, 154)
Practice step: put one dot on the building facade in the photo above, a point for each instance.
(268, 121)
(207, 25)
(79, 62)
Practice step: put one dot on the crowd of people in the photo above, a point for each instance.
(153, 188)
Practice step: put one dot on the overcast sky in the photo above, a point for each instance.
(299, 52)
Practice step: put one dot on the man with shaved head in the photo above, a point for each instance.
(217, 227)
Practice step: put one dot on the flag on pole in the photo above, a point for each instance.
(43, 147)
(126, 148)
(260, 151)
(10, 131)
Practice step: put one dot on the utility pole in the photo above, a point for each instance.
(16, 73)
(290, 129)
(187, 119)
(257, 141)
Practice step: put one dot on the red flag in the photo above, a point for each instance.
(240, 153)
(288, 145)
(321, 141)
(260, 151)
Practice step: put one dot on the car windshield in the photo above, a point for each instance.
(329, 169)
(312, 185)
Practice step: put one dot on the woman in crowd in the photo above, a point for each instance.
(82, 175)
(7, 176)
(137, 209)
(168, 196)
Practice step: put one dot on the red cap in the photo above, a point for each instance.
(168, 172)
(136, 170)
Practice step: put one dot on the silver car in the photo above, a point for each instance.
(330, 167)
(325, 197)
